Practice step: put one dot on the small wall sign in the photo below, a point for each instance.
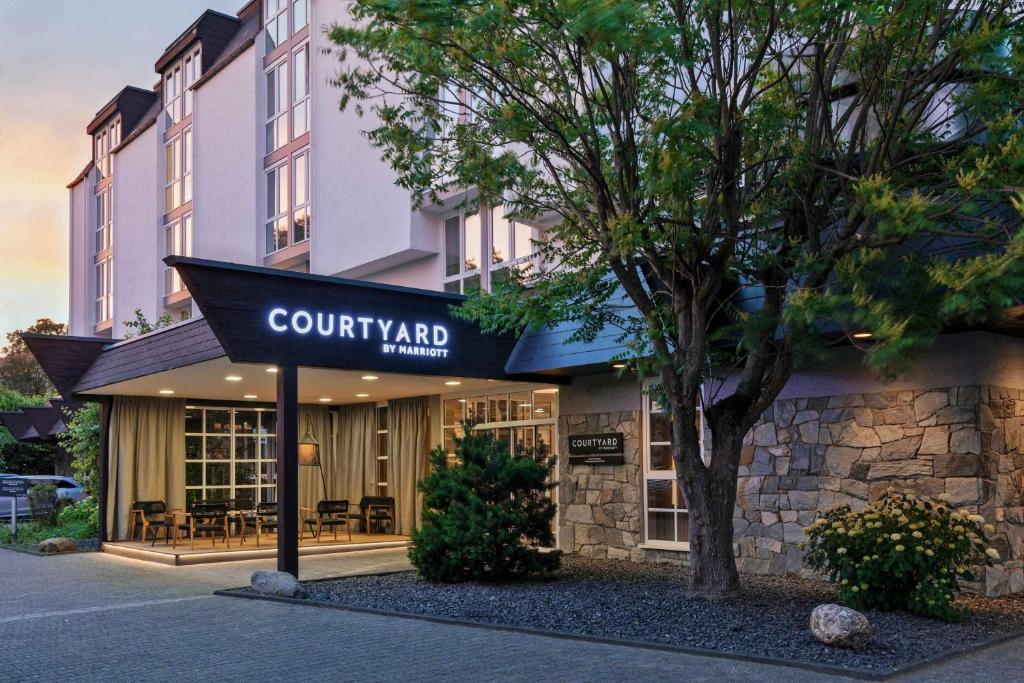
(596, 449)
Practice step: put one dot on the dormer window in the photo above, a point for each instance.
(178, 81)
(104, 140)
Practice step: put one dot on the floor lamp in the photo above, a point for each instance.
(309, 451)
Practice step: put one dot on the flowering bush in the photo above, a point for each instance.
(900, 552)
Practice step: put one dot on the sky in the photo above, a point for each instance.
(60, 62)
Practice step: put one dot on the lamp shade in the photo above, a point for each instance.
(309, 447)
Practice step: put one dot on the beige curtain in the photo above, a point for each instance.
(147, 457)
(317, 419)
(408, 446)
(354, 473)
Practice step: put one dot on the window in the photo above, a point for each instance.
(186, 166)
(300, 214)
(277, 106)
(382, 451)
(104, 290)
(230, 453)
(277, 208)
(172, 95)
(463, 251)
(104, 220)
(300, 14)
(512, 244)
(105, 140)
(300, 95)
(172, 171)
(192, 69)
(667, 522)
(526, 419)
(276, 22)
(178, 239)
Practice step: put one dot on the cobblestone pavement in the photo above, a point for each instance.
(97, 617)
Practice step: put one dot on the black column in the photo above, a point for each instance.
(104, 467)
(288, 470)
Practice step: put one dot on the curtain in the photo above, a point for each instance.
(317, 420)
(147, 457)
(354, 472)
(408, 446)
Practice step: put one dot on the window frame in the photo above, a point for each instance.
(104, 304)
(294, 205)
(104, 141)
(263, 448)
(295, 100)
(105, 227)
(179, 243)
(648, 474)
(283, 212)
(512, 261)
(282, 102)
(275, 18)
(463, 275)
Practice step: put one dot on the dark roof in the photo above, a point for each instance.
(132, 103)
(213, 30)
(148, 119)
(19, 425)
(175, 347)
(64, 358)
(44, 419)
(249, 27)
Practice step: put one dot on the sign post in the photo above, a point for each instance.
(596, 449)
(12, 488)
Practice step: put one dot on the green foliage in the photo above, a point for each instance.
(43, 503)
(82, 516)
(140, 325)
(486, 516)
(19, 370)
(902, 552)
(17, 457)
(32, 532)
(82, 440)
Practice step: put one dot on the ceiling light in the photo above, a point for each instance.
(272, 371)
(325, 399)
(462, 400)
(618, 366)
(167, 391)
(862, 335)
(250, 396)
(362, 396)
(452, 383)
(370, 378)
(234, 378)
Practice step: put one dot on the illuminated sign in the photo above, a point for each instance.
(394, 336)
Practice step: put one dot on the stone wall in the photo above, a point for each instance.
(599, 505)
(960, 444)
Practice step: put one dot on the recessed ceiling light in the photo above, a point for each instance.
(452, 383)
(167, 391)
(362, 396)
(234, 378)
(462, 400)
(862, 335)
(272, 370)
(325, 399)
(370, 378)
(250, 396)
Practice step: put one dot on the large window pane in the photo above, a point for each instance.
(500, 249)
(451, 246)
(245, 448)
(245, 473)
(218, 421)
(498, 407)
(473, 242)
(661, 526)
(523, 239)
(218, 474)
(544, 404)
(661, 457)
(522, 408)
(661, 428)
(453, 411)
(193, 420)
(193, 448)
(476, 409)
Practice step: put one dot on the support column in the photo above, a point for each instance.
(104, 467)
(288, 470)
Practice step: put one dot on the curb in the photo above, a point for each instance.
(860, 674)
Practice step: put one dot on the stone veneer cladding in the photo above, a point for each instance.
(962, 444)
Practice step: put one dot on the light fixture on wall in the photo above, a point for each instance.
(309, 451)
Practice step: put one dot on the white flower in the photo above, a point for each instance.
(992, 552)
(977, 519)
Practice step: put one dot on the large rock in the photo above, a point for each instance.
(57, 545)
(277, 583)
(840, 626)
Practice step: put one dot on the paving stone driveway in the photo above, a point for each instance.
(97, 617)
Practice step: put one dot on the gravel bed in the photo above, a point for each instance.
(649, 602)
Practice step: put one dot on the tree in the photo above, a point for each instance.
(18, 368)
(737, 186)
(141, 324)
(17, 457)
(82, 441)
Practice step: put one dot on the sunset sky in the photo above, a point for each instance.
(60, 62)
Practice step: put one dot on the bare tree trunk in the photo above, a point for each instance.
(710, 500)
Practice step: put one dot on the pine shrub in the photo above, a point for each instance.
(486, 516)
(901, 552)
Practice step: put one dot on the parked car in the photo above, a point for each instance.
(67, 488)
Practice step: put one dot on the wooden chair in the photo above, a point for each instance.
(238, 508)
(330, 514)
(265, 517)
(206, 517)
(379, 510)
(150, 514)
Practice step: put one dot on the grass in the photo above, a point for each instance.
(32, 532)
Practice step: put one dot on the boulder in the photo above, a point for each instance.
(277, 583)
(57, 545)
(840, 626)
